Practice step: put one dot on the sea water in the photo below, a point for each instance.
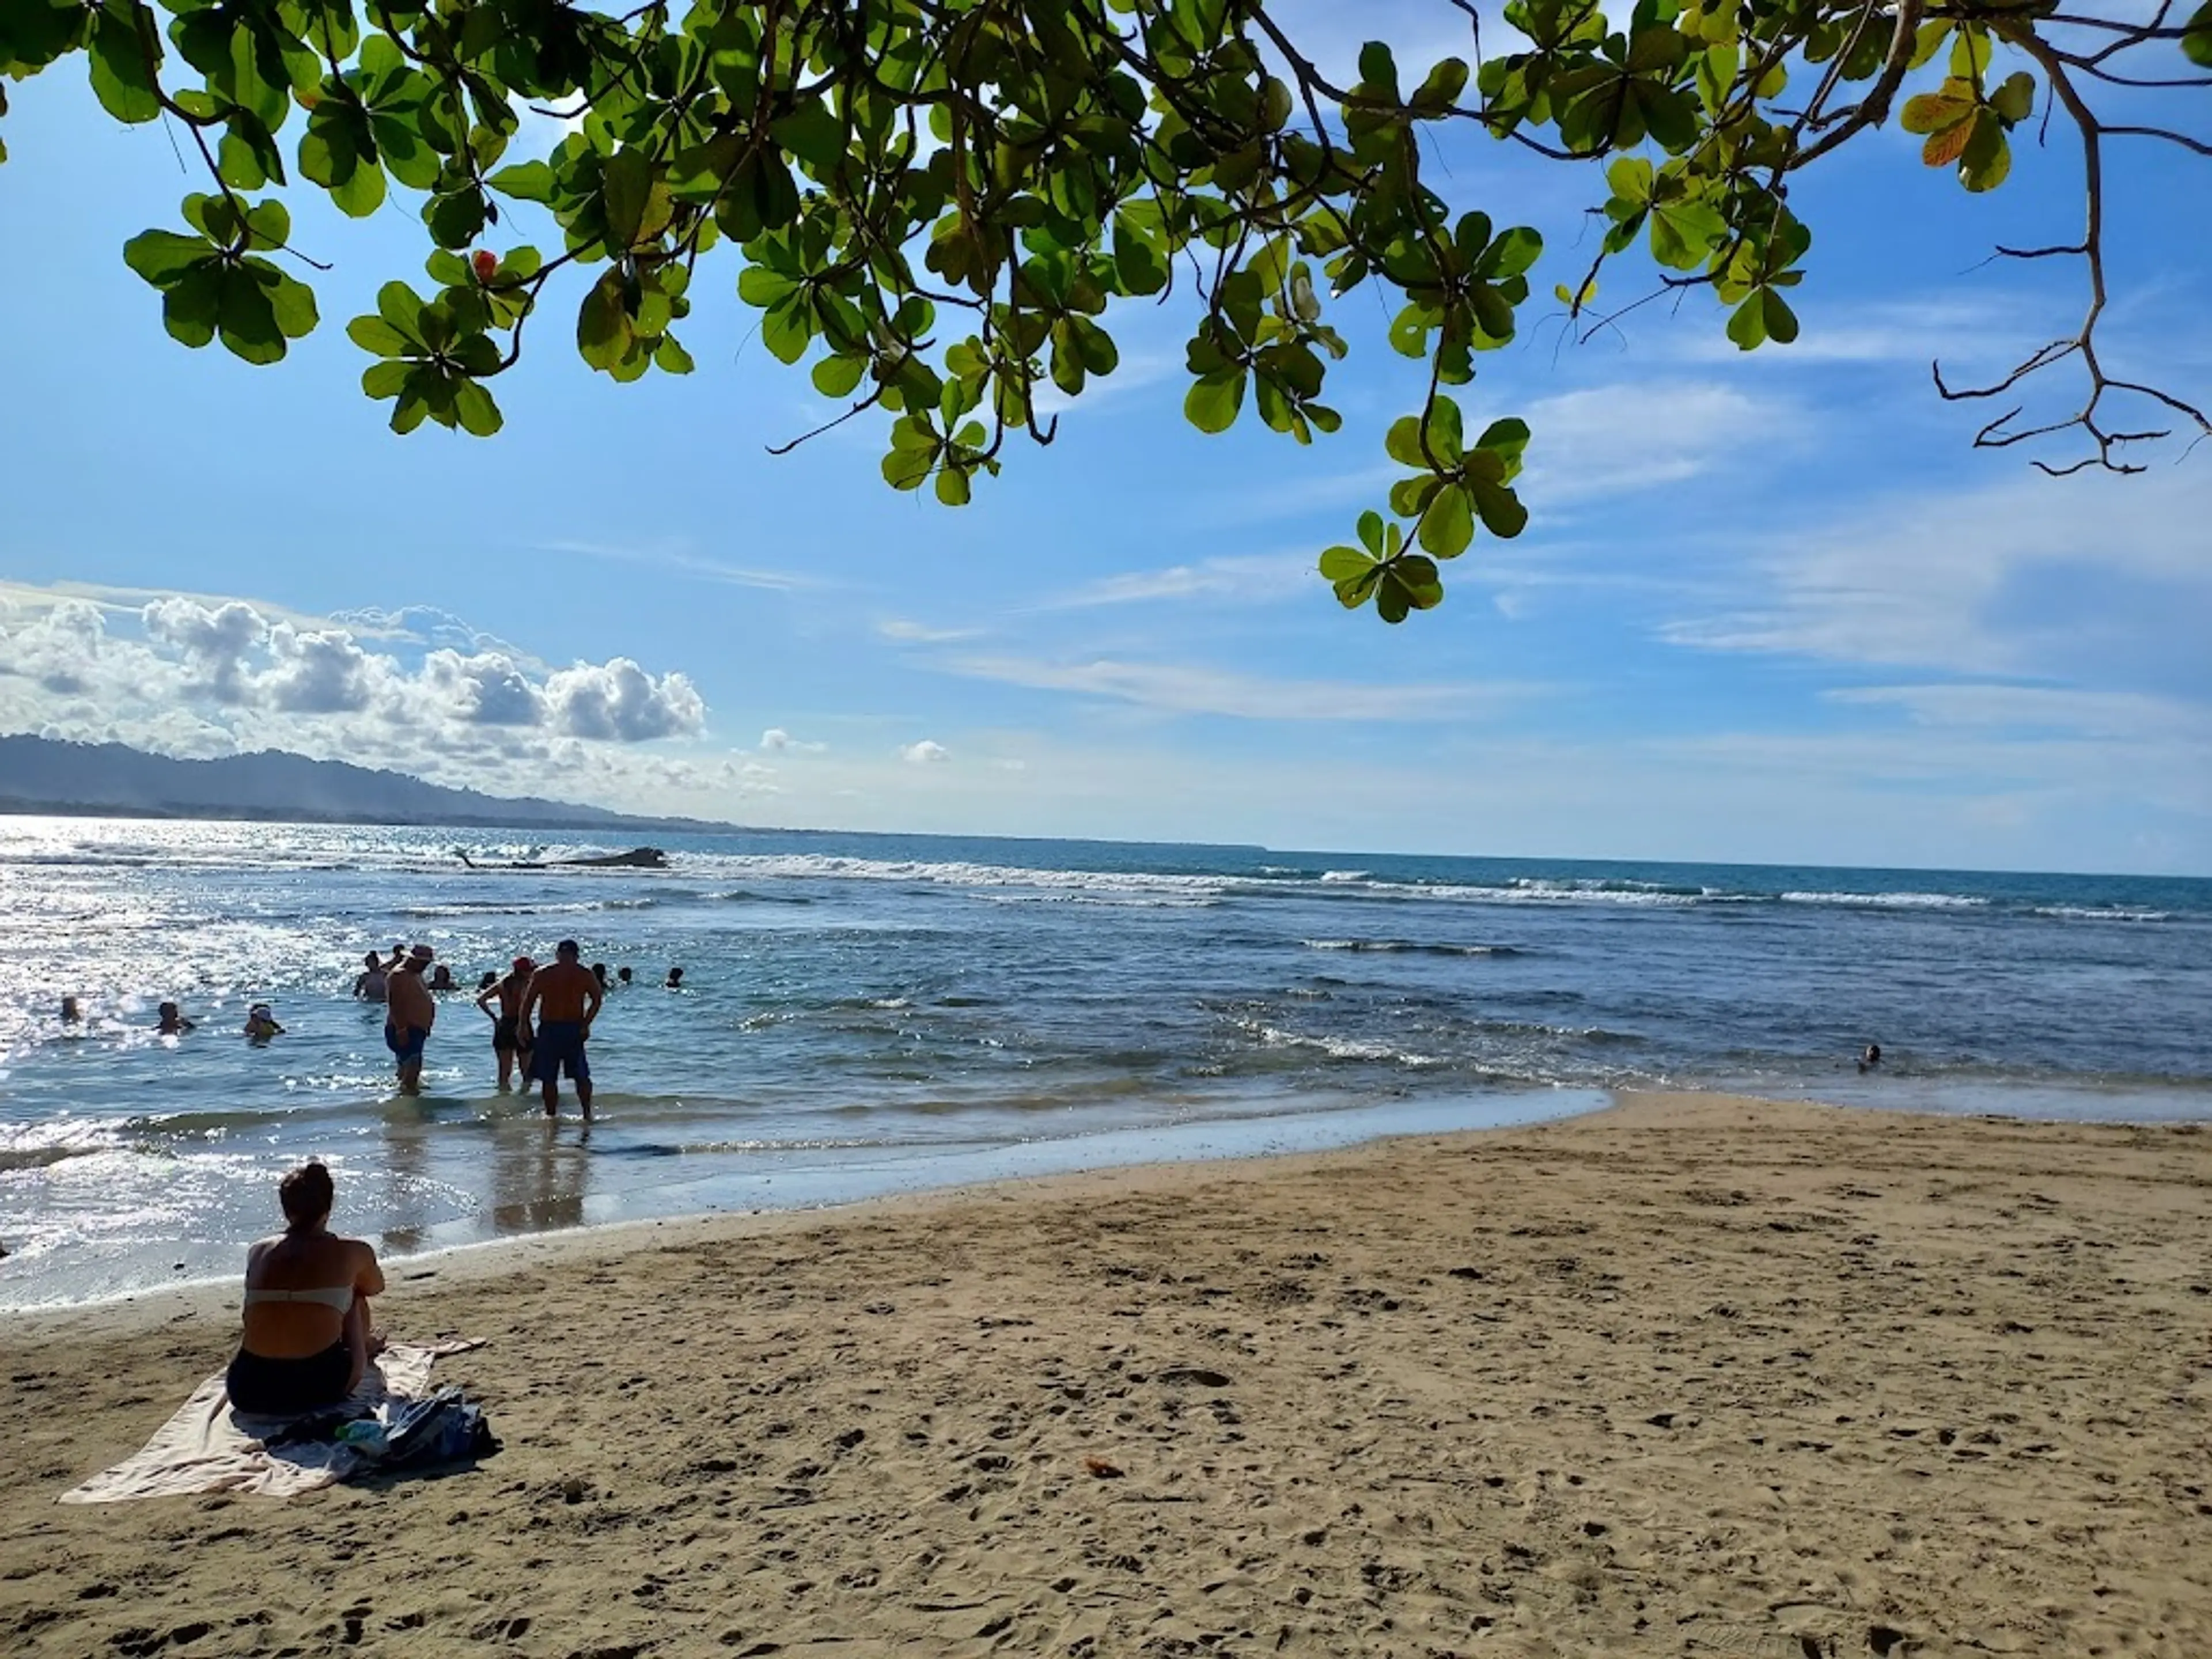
(865, 1014)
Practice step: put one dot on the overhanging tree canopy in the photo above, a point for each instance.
(936, 202)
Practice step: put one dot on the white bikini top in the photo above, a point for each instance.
(339, 1296)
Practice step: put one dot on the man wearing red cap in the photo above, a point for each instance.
(510, 1040)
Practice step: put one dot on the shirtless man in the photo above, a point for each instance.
(410, 1013)
(369, 984)
(507, 1039)
(566, 997)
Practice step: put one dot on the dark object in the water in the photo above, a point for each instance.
(638, 858)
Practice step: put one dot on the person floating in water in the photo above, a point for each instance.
(173, 1022)
(441, 979)
(566, 997)
(1871, 1059)
(411, 1013)
(261, 1024)
(508, 1041)
(71, 1014)
(369, 984)
(490, 978)
(675, 980)
(599, 973)
(622, 975)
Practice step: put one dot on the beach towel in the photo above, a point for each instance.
(208, 1447)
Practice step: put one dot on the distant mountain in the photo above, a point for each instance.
(37, 774)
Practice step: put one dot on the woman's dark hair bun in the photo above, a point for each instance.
(307, 1193)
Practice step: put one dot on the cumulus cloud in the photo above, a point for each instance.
(215, 640)
(619, 701)
(58, 649)
(322, 672)
(776, 741)
(193, 677)
(486, 688)
(925, 753)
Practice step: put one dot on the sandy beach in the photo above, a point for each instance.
(1694, 1376)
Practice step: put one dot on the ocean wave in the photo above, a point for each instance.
(1891, 901)
(1274, 1036)
(744, 896)
(1412, 947)
(2099, 913)
(1346, 875)
(461, 907)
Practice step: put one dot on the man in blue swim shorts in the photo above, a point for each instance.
(409, 1011)
(565, 997)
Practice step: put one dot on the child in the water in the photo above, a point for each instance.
(261, 1024)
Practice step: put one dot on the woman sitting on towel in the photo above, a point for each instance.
(306, 1341)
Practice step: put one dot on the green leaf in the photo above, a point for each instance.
(292, 301)
(1987, 159)
(375, 335)
(626, 184)
(400, 307)
(839, 377)
(1345, 564)
(603, 328)
(812, 134)
(526, 181)
(1511, 254)
(246, 319)
(122, 78)
(1747, 326)
(474, 407)
(671, 358)
(2196, 37)
(2014, 101)
(952, 486)
(162, 256)
(384, 379)
(1448, 524)
(1214, 400)
(192, 304)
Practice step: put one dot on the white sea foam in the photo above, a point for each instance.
(2099, 913)
(1891, 901)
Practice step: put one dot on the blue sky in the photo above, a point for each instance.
(1770, 607)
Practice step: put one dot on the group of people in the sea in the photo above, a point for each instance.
(541, 1014)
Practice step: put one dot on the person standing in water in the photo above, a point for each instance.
(566, 997)
(508, 1041)
(411, 1012)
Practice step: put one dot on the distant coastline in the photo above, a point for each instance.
(44, 777)
(11, 807)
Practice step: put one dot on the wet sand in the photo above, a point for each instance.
(1694, 1376)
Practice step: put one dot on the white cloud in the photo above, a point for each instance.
(776, 741)
(1251, 578)
(194, 677)
(619, 701)
(487, 688)
(2026, 578)
(925, 753)
(322, 672)
(683, 562)
(1198, 690)
(1615, 440)
(214, 640)
(914, 632)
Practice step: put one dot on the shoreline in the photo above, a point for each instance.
(1692, 1373)
(203, 1295)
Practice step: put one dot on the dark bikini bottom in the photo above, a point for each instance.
(275, 1388)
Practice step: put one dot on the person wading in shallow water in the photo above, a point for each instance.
(508, 1041)
(411, 1012)
(565, 996)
